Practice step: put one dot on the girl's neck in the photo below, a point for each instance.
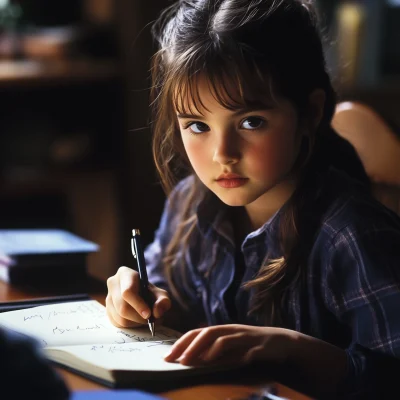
(262, 209)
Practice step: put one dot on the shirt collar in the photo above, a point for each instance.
(212, 215)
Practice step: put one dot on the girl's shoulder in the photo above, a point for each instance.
(356, 252)
(354, 209)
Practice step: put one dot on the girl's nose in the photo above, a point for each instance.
(226, 150)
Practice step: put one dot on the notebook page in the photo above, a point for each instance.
(75, 323)
(145, 356)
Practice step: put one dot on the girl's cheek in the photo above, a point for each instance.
(264, 159)
(196, 153)
(272, 158)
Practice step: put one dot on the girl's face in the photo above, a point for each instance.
(245, 157)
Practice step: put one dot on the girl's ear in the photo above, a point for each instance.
(316, 102)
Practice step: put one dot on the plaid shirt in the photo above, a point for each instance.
(352, 295)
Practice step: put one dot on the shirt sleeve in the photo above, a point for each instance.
(363, 281)
(24, 372)
(155, 251)
(181, 317)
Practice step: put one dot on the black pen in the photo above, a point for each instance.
(137, 251)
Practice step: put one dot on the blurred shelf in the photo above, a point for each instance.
(32, 72)
(82, 199)
(27, 181)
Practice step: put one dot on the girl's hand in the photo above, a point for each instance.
(125, 308)
(239, 344)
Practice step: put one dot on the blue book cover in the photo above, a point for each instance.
(114, 395)
(18, 242)
(38, 255)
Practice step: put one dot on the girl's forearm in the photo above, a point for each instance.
(318, 361)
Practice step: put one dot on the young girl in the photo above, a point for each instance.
(270, 238)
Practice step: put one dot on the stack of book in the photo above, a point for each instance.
(34, 256)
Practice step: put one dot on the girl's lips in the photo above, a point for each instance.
(229, 175)
(232, 182)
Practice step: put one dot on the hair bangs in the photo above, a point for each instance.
(234, 84)
(185, 93)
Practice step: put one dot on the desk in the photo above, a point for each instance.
(97, 290)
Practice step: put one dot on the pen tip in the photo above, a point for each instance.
(152, 328)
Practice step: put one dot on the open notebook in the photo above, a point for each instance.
(79, 336)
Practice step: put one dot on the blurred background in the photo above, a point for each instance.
(75, 151)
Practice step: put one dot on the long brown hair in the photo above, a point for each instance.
(261, 48)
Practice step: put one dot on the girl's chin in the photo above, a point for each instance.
(234, 203)
(233, 200)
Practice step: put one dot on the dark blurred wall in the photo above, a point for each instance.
(50, 13)
(144, 198)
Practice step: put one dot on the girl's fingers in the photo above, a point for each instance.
(162, 303)
(129, 285)
(224, 344)
(127, 304)
(126, 279)
(181, 345)
(115, 318)
(190, 348)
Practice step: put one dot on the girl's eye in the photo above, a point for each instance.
(197, 127)
(253, 123)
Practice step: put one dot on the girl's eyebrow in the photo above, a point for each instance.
(182, 116)
(236, 113)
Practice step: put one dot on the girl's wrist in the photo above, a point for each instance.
(295, 342)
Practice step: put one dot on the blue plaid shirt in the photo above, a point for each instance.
(352, 298)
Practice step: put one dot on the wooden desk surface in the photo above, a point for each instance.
(205, 392)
